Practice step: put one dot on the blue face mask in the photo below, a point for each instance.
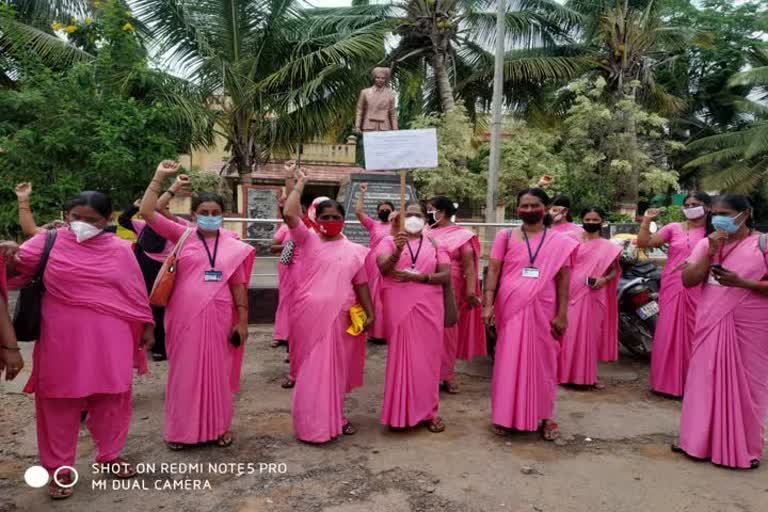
(209, 222)
(726, 223)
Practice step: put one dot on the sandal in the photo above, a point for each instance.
(277, 343)
(288, 383)
(224, 440)
(599, 386)
(348, 429)
(175, 446)
(126, 468)
(550, 430)
(499, 430)
(436, 425)
(449, 387)
(676, 448)
(754, 464)
(56, 491)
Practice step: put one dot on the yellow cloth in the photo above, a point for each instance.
(358, 317)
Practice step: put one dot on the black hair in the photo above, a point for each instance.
(595, 209)
(420, 204)
(205, 197)
(541, 194)
(739, 203)
(444, 204)
(67, 205)
(329, 203)
(97, 200)
(385, 203)
(565, 202)
(700, 196)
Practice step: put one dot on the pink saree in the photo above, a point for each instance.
(377, 232)
(285, 288)
(588, 313)
(203, 366)
(524, 382)
(726, 393)
(328, 361)
(465, 340)
(677, 314)
(414, 330)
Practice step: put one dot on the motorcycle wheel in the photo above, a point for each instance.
(636, 335)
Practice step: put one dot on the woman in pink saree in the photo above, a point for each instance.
(414, 271)
(11, 361)
(725, 405)
(206, 320)
(592, 311)
(529, 269)
(95, 326)
(378, 230)
(466, 339)
(562, 221)
(325, 355)
(677, 304)
(282, 238)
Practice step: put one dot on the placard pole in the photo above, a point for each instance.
(402, 201)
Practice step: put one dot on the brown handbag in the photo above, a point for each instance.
(451, 317)
(166, 277)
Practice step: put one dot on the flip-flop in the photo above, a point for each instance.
(450, 388)
(56, 492)
(175, 446)
(288, 383)
(550, 430)
(499, 430)
(348, 429)
(436, 425)
(224, 440)
(754, 464)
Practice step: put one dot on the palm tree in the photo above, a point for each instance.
(282, 72)
(737, 160)
(453, 39)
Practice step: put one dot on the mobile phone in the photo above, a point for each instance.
(235, 339)
(591, 281)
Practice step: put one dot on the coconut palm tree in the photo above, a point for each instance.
(283, 72)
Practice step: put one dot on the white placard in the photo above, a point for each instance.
(400, 149)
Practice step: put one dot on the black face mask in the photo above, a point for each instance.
(591, 227)
(384, 215)
(531, 217)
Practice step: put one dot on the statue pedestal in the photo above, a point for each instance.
(381, 187)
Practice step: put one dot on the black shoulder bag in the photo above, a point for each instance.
(29, 306)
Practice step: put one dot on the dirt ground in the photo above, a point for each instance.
(614, 455)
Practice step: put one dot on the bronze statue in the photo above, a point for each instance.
(376, 106)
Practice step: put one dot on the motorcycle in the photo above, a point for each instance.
(637, 296)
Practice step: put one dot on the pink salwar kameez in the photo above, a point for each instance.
(377, 231)
(590, 324)
(677, 313)
(726, 392)
(203, 366)
(414, 330)
(327, 359)
(93, 312)
(524, 382)
(466, 339)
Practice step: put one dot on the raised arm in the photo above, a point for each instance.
(126, 218)
(26, 219)
(645, 239)
(165, 169)
(360, 205)
(387, 259)
(292, 210)
(181, 183)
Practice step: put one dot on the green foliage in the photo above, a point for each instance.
(95, 126)
(455, 149)
(671, 214)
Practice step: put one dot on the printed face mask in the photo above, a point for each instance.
(330, 228)
(414, 225)
(84, 231)
(209, 222)
(693, 213)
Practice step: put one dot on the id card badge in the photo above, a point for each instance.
(410, 270)
(531, 272)
(213, 276)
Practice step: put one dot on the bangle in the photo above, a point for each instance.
(241, 305)
(14, 349)
(170, 193)
(429, 278)
(491, 290)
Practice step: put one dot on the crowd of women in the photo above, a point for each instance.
(549, 291)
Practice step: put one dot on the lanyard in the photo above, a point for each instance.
(418, 251)
(735, 246)
(211, 259)
(532, 256)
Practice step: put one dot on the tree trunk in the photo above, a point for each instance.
(444, 87)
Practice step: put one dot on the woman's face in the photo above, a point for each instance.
(329, 214)
(692, 202)
(558, 213)
(728, 211)
(530, 203)
(89, 215)
(593, 218)
(208, 209)
(384, 210)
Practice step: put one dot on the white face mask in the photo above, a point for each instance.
(414, 225)
(694, 213)
(83, 231)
